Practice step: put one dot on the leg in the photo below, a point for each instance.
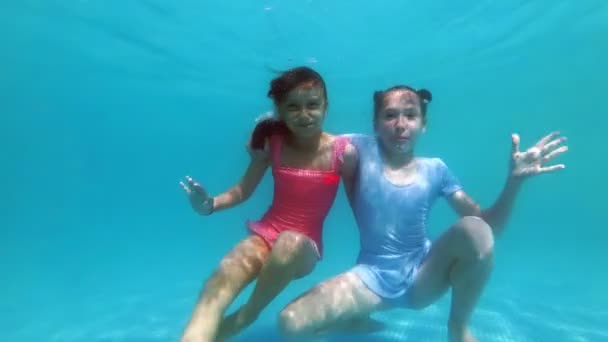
(461, 258)
(293, 255)
(236, 270)
(328, 305)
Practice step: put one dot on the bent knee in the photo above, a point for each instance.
(477, 237)
(290, 246)
(289, 324)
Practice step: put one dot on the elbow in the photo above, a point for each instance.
(243, 194)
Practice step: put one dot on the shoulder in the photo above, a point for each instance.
(350, 154)
(432, 162)
(438, 171)
(434, 167)
(271, 146)
(357, 140)
(261, 156)
(342, 145)
(344, 149)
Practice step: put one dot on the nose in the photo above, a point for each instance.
(302, 112)
(401, 122)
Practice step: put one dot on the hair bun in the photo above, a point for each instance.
(378, 95)
(425, 95)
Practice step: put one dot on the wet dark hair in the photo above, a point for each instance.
(279, 88)
(424, 95)
(266, 128)
(293, 78)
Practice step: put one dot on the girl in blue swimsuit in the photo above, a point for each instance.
(391, 196)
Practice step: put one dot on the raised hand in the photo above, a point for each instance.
(534, 160)
(199, 199)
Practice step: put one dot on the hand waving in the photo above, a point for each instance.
(199, 199)
(533, 161)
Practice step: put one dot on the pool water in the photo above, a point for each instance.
(106, 105)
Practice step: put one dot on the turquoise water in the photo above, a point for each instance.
(105, 105)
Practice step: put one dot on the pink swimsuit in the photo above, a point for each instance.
(302, 198)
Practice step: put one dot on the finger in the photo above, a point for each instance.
(547, 138)
(551, 168)
(515, 143)
(190, 180)
(196, 187)
(554, 153)
(532, 154)
(553, 144)
(186, 188)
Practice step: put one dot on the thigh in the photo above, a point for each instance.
(432, 279)
(467, 239)
(240, 265)
(338, 299)
(297, 251)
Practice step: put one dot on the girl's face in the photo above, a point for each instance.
(400, 122)
(303, 110)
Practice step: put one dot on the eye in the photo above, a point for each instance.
(292, 107)
(314, 105)
(390, 114)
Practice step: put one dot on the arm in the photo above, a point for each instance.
(498, 214)
(204, 204)
(240, 192)
(522, 166)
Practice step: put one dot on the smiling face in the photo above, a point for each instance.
(303, 110)
(400, 121)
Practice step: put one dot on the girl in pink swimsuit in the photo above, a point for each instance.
(285, 244)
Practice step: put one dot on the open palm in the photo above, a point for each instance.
(199, 199)
(534, 160)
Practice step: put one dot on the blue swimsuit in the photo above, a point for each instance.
(392, 218)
